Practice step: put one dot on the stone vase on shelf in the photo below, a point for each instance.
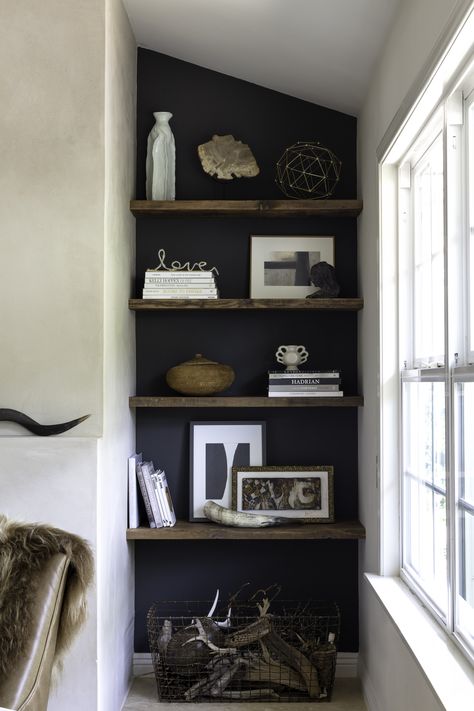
(160, 159)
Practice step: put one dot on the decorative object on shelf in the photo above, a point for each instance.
(264, 649)
(133, 494)
(155, 494)
(177, 267)
(300, 493)
(226, 158)
(228, 517)
(200, 376)
(280, 267)
(214, 448)
(306, 383)
(292, 356)
(160, 159)
(323, 276)
(179, 285)
(9, 415)
(308, 170)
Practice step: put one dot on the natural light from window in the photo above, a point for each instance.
(436, 360)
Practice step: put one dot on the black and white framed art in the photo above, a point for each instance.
(215, 447)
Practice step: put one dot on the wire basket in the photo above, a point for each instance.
(288, 654)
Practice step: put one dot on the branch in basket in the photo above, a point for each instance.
(223, 681)
(276, 672)
(250, 694)
(201, 687)
(296, 660)
(252, 633)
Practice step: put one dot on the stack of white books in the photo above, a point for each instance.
(162, 284)
(155, 492)
(304, 383)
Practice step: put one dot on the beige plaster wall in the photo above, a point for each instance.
(51, 264)
(52, 210)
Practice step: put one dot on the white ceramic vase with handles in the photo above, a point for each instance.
(292, 356)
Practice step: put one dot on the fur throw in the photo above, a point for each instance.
(24, 548)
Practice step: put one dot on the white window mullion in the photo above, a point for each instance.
(468, 215)
(463, 400)
(455, 294)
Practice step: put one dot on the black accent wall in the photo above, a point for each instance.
(204, 102)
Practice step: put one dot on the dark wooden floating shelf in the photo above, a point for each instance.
(185, 530)
(245, 401)
(249, 304)
(252, 208)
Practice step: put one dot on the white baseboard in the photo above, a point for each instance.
(346, 664)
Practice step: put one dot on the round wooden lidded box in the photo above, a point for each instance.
(200, 376)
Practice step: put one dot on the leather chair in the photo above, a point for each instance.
(27, 687)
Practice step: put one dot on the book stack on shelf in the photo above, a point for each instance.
(304, 383)
(154, 489)
(162, 284)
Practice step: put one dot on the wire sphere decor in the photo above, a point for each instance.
(308, 170)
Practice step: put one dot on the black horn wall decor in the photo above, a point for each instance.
(8, 415)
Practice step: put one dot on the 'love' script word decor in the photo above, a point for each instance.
(176, 266)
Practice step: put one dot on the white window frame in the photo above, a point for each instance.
(436, 82)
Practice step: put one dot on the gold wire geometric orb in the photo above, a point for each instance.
(308, 170)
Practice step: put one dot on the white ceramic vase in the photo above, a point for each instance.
(292, 356)
(160, 159)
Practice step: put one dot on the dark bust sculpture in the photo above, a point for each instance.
(323, 276)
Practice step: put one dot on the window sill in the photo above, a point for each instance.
(449, 673)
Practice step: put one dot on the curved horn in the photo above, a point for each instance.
(214, 604)
(8, 415)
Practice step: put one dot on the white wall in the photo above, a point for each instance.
(417, 27)
(53, 480)
(391, 677)
(67, 336)
(115, 556)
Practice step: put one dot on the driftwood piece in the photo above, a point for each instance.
(218, 688)
(8, 415)
(226, 158)
(253, 632)
(219, 667)
(165, 636)
(274, 673)
(296, 660)
(250, 694)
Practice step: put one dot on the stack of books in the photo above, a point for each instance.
(304, 383)
(155, 492)
(162, 284)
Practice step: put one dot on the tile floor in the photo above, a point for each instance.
(347, 696)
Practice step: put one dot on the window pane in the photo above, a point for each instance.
(428, 241)
(424, 481)
(464, 423)
(465, 597)
(470, 164)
